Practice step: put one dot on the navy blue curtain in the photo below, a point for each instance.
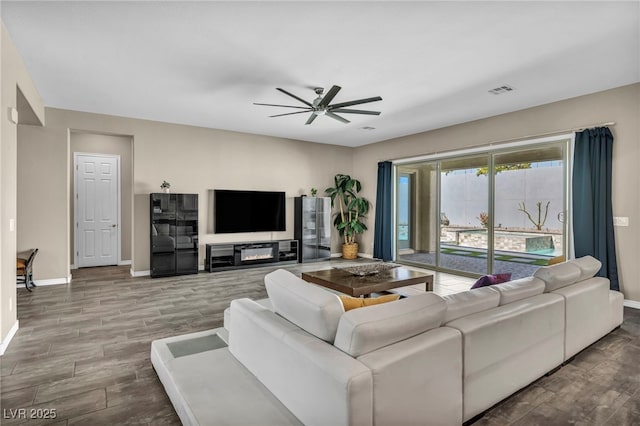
(592, 211)
(382, 237)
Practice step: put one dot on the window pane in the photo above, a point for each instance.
(464, 199)
(529, 209)
(416, 233)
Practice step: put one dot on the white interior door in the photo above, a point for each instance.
(97, 184)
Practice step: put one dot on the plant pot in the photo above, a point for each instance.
(166, 190)
(350, 251)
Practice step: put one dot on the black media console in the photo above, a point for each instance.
(220, 257)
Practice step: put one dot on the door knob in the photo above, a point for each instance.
(114, 225)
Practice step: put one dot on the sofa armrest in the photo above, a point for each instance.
(318, 383)
(508, 347)
(616, 304)
(588, 313)
(418, 381)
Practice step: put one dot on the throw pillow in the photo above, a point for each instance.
(486, 280)
(358, 302)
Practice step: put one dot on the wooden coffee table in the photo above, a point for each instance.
(345, 282)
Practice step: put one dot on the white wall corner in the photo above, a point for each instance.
(631, 304)
(139, 273)
(5, 343)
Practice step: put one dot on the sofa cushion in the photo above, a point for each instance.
(523, 288)
(349, 302)
(558, 276)
(469, 302)
(314, 309)
(162, 228)
(486, 280)
(589, 266)
(361, 331)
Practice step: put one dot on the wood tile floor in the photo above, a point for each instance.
(83, 350)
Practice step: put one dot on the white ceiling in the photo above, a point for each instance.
(205, 63)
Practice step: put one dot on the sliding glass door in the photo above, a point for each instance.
(494, 212)
(464, 214)
(530, 194)
(416, 207)
(406, 202)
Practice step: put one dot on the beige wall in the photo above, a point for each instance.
(621, 105)
(122, 146)
(43, 200)
(192, 159)
(13, 74)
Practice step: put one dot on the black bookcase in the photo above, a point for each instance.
(174, 234)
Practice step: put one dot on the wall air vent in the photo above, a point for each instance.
(367, 128)
(500, 90)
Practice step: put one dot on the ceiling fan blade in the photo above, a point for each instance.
(337, 117)
(290, 113)
(294, 96)
(357, 102)
(311, 118)
(354, 111)
(329, 96)
(277, 105)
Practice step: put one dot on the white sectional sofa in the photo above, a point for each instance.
(420, 360)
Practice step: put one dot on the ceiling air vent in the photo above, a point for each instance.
(500, 90)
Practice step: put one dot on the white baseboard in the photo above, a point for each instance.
(5, 343)
(52, 281)
(631, 304)
(139, 273)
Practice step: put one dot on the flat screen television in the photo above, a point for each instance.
(248, 211)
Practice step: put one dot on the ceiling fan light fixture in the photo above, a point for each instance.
(322, 105)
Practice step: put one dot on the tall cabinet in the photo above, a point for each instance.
(174, 234)
(312, 228)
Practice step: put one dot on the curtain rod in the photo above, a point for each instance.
(557, 132)
(518, 139)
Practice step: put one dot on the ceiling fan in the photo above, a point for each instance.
(322, 105)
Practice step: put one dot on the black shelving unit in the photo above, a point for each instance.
(312, 228)
(174, 234)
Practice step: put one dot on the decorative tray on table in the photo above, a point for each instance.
(368, 268)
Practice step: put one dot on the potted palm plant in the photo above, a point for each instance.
(351, 210)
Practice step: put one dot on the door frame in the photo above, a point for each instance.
(411, 208)
(75, 204)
